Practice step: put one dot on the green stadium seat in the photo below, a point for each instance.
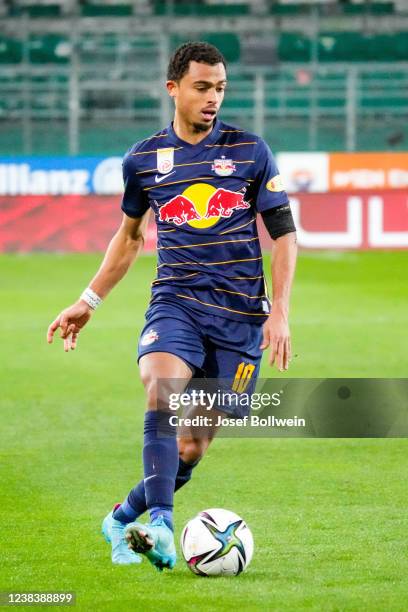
(181, 9)
(106, 10)
(400, 40)
(299, 103)
(383, 102)
(49, 49)
(272, 102)
(227, 42)
(380, 76)
(42, 10)
(344, 47)
(294, 47)
(11, 51)
(276, 8)
(146, 103)
(237, 103)
(162, 7)
(341, 47)
(10, 104)
(325, 102)
(373, 8)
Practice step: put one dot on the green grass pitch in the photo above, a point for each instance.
(329, 516)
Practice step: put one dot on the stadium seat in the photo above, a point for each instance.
(11, 51)
(42, 10)
(373, 8)
(237, 102)
(49, 49)
(344, 47)
(227, 42)
(144, 103)
(341, 47)
(184, 9)
(89, 9)
(294, 47)
(281, 9)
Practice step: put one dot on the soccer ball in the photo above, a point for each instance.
(217, 542)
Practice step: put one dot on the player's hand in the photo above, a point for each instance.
(70, 321)
(276, 335)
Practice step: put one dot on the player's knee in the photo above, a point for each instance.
(157, 395)
(193, 449)
(150, 386)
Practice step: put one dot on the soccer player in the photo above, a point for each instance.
(209, 314)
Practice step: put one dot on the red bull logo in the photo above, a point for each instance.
(202, 205)
(178, 210)
(224, 202)
(223, 167)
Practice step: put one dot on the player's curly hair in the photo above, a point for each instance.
(192, 52)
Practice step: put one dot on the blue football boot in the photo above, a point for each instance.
(154, 540)
(114, 533)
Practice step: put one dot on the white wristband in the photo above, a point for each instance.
(91, 298)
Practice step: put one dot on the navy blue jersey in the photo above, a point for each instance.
(205, 198)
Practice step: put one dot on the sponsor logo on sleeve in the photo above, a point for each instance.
(275, 184)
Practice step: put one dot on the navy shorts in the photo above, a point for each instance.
(212, 346)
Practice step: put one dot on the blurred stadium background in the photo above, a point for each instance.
(306, 75)
(324, 82)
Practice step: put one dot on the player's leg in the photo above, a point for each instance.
(135, 503)
(155, 539)
(162, 374)
(191, 448)
(175, 338)
(174, 335)
(191, 451)
(241, 359)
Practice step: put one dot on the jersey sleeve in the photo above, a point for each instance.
(134, 201)
(268, 188)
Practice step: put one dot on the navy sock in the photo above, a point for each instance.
(160, 459)
(135, 503)
(133, 506)
(184, 473)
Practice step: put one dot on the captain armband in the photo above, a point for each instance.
(278, 221)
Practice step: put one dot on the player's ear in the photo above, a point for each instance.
(171, 88)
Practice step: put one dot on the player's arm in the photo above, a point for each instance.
(273, 203)
(122, 251)
(276, 333)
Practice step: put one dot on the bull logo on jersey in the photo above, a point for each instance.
(223, 167)
(149, 337)
(202, 205)
(179, 210)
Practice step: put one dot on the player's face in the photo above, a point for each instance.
(199, 95)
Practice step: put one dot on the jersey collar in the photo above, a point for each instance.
(210, 138)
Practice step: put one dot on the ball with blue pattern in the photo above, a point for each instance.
(217, 542)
